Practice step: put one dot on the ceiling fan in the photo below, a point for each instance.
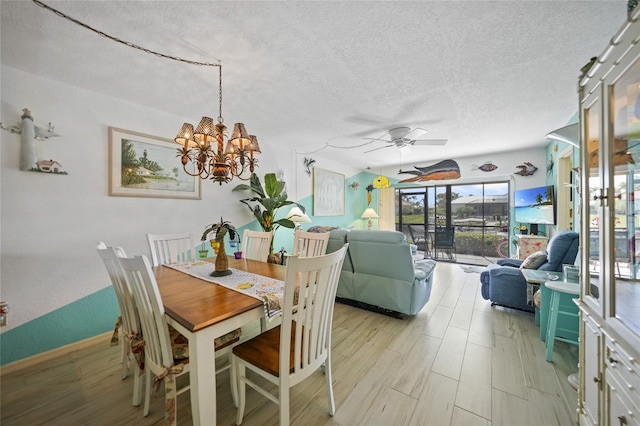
(404, 137)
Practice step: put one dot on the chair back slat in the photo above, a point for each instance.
(170, 248)
(256, 244)
(142, 282)
(128, 311)
(310, 244)
(316, 279)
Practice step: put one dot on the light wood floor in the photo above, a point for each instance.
(458, 362)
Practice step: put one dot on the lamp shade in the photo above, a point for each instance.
(369, 213)
(254, 147)
(185, 136)
(240, 136)
(296, 215)
(205, 128)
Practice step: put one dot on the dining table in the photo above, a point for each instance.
(201, 311)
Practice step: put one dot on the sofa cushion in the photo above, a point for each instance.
(562, 249)
(534, 260)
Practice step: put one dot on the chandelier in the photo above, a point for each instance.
(203, 152)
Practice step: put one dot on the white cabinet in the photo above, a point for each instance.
(590, 373)
(609, 93)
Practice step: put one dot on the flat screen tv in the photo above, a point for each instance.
(535, 205)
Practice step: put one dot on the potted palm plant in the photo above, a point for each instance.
(219, 230)
(265, 203)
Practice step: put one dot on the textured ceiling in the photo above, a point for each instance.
(490, 76)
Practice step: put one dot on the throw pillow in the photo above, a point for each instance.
(534, 260)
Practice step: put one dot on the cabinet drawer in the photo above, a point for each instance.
(624, 367)
(620, 409)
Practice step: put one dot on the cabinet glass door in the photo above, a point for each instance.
(594, 194)
(625, 117)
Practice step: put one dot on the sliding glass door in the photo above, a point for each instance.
(478, 214)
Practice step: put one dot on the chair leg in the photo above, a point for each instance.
(327, 373)
(284, 404)
(124, 358)
(242, 389)
(553, 323)
(170, 401)
(137, 384)
(233, 380)
(147, 391)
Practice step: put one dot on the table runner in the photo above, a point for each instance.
(266, 289)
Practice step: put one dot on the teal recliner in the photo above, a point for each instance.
(379, 270)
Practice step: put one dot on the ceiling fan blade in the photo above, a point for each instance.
(377, 139)
(430, 142)
(382, 147)
(416, 133)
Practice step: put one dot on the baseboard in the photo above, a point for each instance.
(29, 362)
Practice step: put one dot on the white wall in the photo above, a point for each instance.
(50, 223)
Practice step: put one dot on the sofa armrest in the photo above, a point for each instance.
(510, 262)
(423, 268)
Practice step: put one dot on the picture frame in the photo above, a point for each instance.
(146, 166)
(328, 193)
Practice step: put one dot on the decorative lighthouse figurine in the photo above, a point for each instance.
(28, 151)
(29, 135)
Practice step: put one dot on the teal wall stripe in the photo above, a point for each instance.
(87, 317)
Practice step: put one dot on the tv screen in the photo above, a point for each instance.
(535, 205)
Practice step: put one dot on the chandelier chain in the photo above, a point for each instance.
(220, 120)
(328, 145)
(127, 43)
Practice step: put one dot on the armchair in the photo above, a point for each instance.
(504, 284)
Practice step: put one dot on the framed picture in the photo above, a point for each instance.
(146, 166)
(328, 193)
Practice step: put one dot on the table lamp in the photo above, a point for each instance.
(297, 216)
(370, 214)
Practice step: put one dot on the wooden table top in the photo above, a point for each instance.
(197, 304)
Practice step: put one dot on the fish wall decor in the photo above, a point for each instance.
(486, 167)
(526, 169)
(443, 170)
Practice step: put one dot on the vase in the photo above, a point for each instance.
(222, 263)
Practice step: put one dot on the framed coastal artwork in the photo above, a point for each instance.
(146, 166)
(328, 193)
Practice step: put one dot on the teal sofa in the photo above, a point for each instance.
(379, 270)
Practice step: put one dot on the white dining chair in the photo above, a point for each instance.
(170, 248)
(310, 244)
(256, 244)
(162, 359)
(291, 352)
(128, 323)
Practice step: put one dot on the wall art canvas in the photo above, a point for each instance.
(146, 166)
(328, 193)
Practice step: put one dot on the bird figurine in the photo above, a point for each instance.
(308, 162)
